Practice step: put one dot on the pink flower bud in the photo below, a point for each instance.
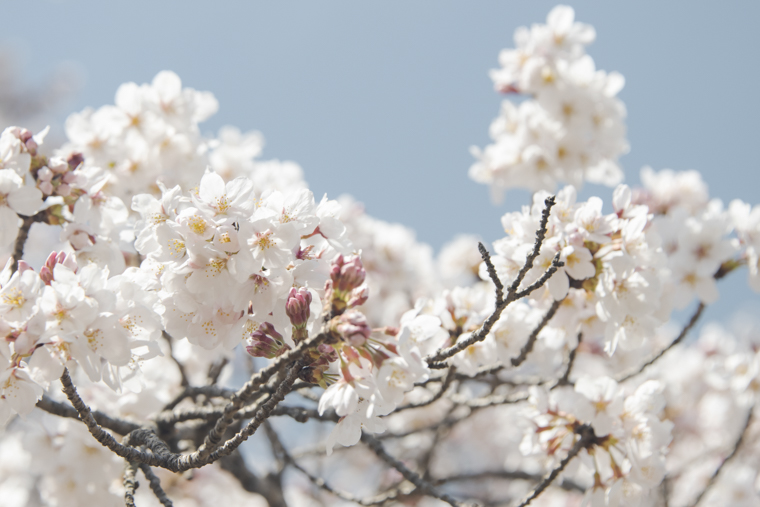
(266, 342)
(358, 297)
(347, 275)
(297, 306)
(352, 326)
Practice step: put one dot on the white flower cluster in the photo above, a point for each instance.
(571, 128)
(626, 454)
(151, 134)
(18, 193)
(223, 261)
(64, 314)
(375, 375)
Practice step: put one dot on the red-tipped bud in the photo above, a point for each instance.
(347, 274)
(266, 342)
(297, 306)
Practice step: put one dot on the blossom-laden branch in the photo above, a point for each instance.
(734, 450)
(513, 293)
(587, 437)
(250, 388)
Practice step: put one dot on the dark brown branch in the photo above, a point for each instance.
(734, 450)
(528, 347)
(587, 436)
(436, 361)
(422, 485)
(692, 321)
(119, 426)
(161, 455)
(155, 485)
(23, 235)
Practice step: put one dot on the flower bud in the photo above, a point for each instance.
(297, 306)
(342, 290)
(266, 342)
(347, 275)
(352, 326)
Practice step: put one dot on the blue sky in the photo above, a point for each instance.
(382, 100)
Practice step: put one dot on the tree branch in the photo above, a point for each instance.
(436, 361)
(130, 483)
(528, 347)
(692, 321)
(119, 426)
(734, 450)
(587, 436)
(155, 485)
(422, 485)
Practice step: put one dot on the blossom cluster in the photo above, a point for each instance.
(64, 315)
(151, 134)
(626, 453)
(571, 128)
(223, 262)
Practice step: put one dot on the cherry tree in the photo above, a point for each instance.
(169, 296)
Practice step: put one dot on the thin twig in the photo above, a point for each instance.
(155, 485)
(528, 347)
(692, 321)
(565, 379)
(119, 426)
(422, 485)
(567, 485)
(216, 434)
(184, 382)
(437, 396)
(436, 361)
(734, 450)
(587, 436)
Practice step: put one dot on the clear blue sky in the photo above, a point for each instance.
(382, 100)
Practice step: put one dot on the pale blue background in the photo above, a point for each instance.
(383, 99)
